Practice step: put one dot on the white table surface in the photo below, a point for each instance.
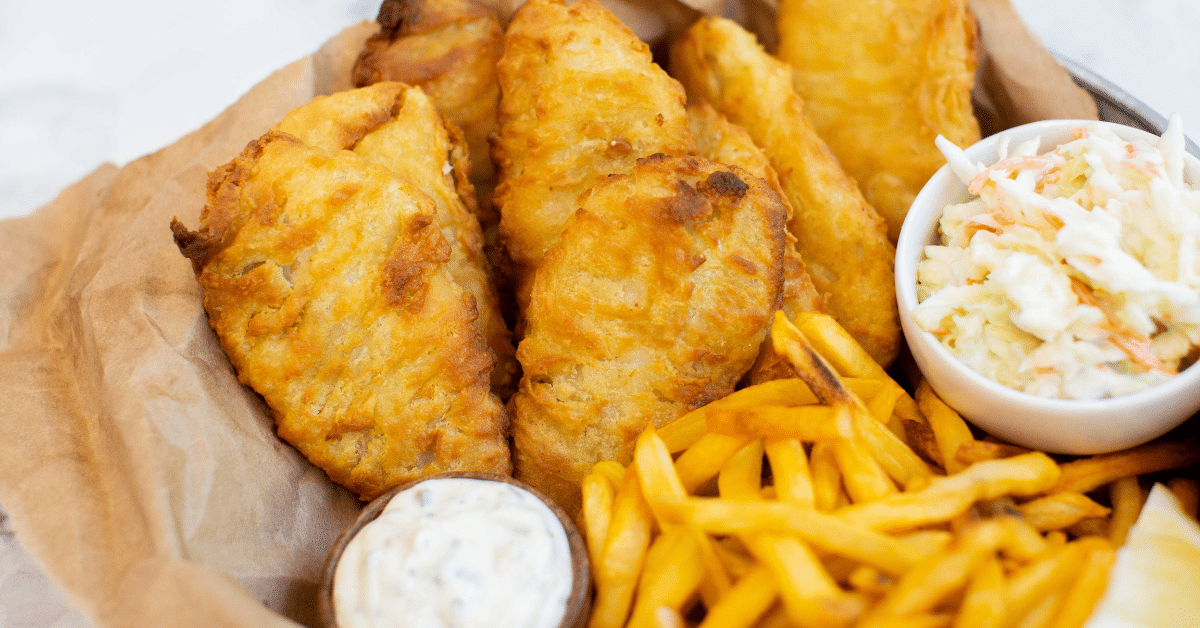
(82, 83)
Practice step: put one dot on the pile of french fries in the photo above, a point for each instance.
(836, 499)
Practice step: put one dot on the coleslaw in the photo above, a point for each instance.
(1073, 273)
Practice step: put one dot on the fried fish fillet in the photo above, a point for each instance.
(842, 239)
(653, 302)
(398, 127)
(581, 99)
(719, 140)
(325, 280)
(880, 80)
(448, 48)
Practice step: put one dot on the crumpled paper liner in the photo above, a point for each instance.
(145, 479)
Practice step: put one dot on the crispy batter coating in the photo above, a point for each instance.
(880, 80)
(719, 140)
(842, 239)
(448, 48)
(325, 279)
(581, 99)
(653, 302)
(398, 127)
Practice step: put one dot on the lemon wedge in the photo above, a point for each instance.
(1155, 582)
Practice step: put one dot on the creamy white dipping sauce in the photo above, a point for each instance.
(1074, 273)
(456, 553)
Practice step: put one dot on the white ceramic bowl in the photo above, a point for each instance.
(1053, 425)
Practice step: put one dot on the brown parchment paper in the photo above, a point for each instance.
(144, 479)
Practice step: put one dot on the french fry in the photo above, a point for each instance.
(1086, 591)
(749, 599)
(623, 554)
(895, 425)
(703, 460)
(776, 617)
(839, 567)
(611, 469)
(945, 573)
(809, 594)
(870, 581)
(827, 479)
(1187, 491)
(1021, 540)
(1058, 511)
(893, 454)
(955, 550)
(661, 486)
(1042, 613)
(683, 432)
(807, 423)
(1028, 587)
(949, 429)
(1086, 474)
(948, 496)
(983, 602)
(1055, 538)
(849, 358)
(1127, 499)
(868, 389)
(734, 555)
(979, 450)
(882, 405)
(924, 620)
(670, 577)
(716, 583)
(810, 366)
(598, 495)
(896, 458)
(1092, 526)
(741, 477)
(827, 533)
(789, 466)
(926, 542)
(667, 617)
(921, 439)
(863, 477)
(1003, 506)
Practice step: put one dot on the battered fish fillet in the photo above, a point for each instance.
(881, 79)
(842, 239)
(448, 48)
(325, 279)
(653, 302)
(581, 99)
(398, 127)
(721, 141)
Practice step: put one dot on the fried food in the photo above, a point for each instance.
(581, 99)
(842, 240)
(721, 141)
(325, 280)
(880, 80)
(653, 303)
(449, 49)
(397, 126)
(983, 545)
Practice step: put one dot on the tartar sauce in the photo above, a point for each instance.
(1073, 274)
(456, 553)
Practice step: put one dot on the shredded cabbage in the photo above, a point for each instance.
(1073, 273)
